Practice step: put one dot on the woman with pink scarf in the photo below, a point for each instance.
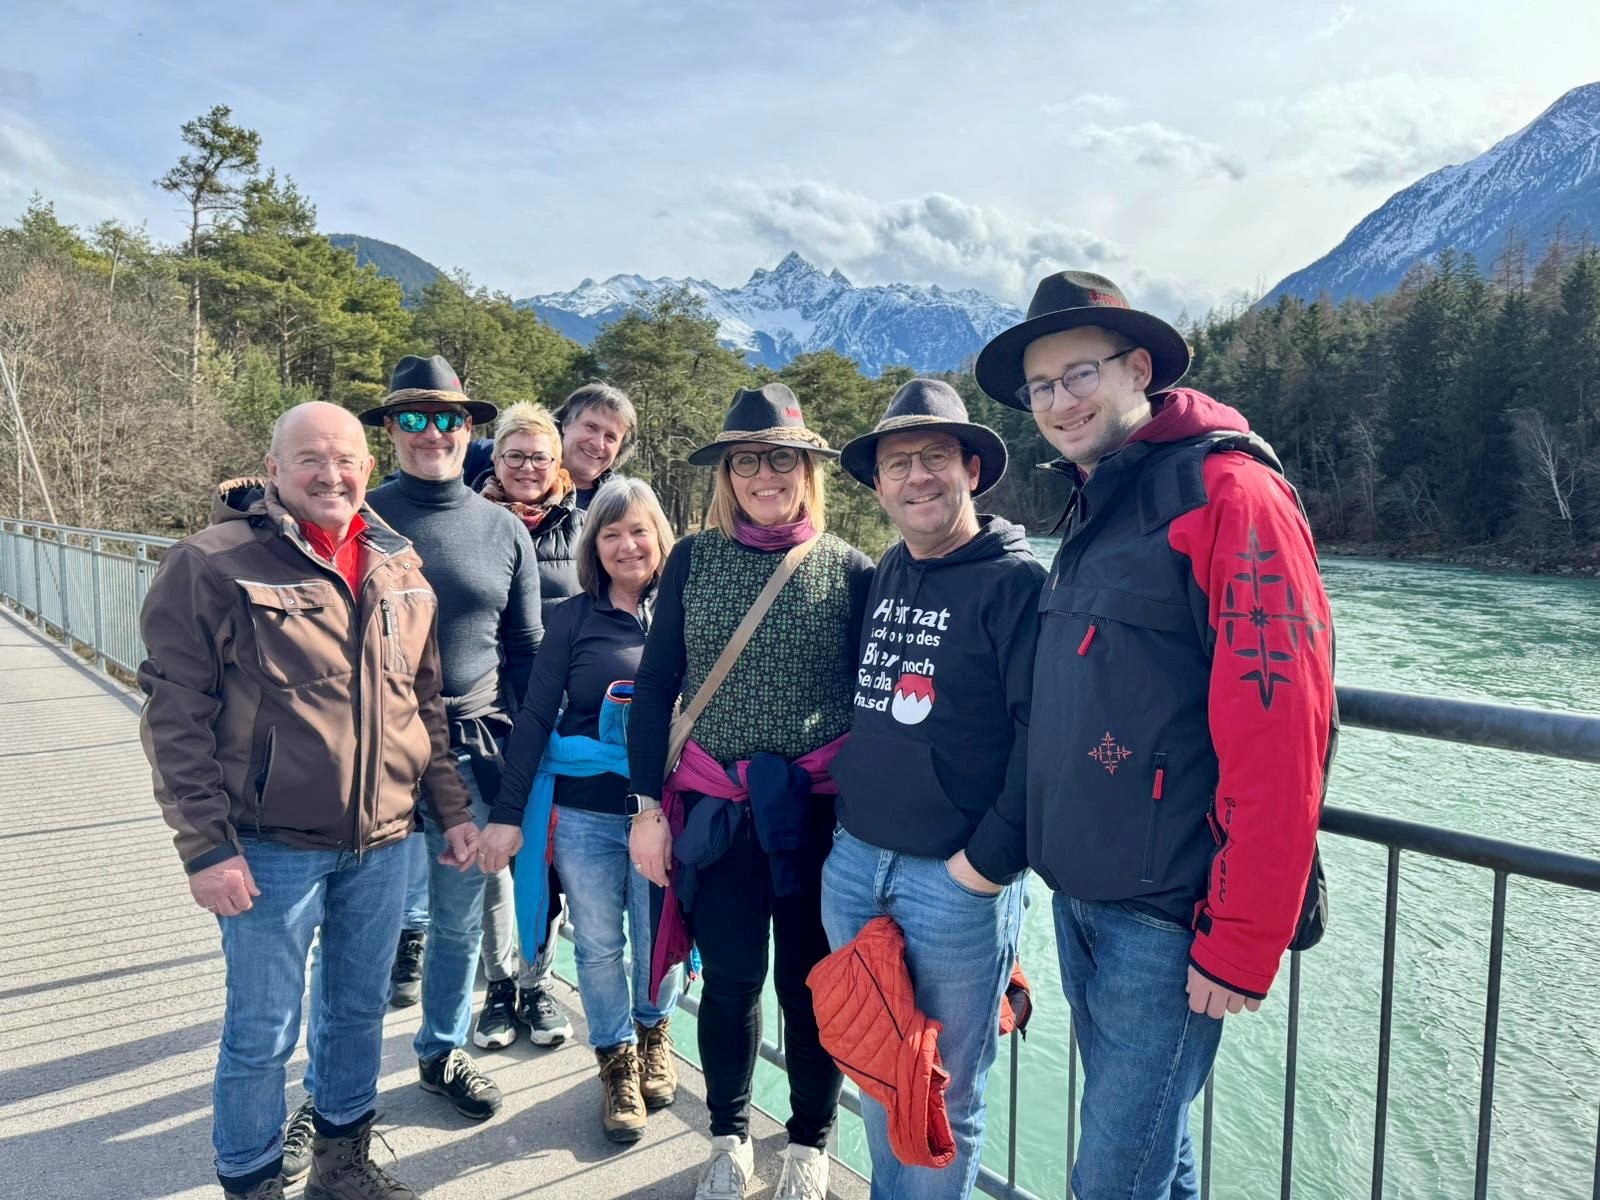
(749, 807)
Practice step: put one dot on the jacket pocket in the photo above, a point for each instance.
(263, 778)
(405, 620)
(1157, 787)
(300, 630)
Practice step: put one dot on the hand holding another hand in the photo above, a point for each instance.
(461, 846)
(498, 846)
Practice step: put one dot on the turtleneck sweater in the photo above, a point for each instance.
(480, 562)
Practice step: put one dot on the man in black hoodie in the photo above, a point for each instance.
(932, 783)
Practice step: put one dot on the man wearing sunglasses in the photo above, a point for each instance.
(481, 565)
(932, 789)
(1184, 719)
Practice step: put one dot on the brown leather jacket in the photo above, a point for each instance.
(283, 707)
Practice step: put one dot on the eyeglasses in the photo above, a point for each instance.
(746, 464)
(1080, 380)
(933, 459)
(416, 422)
(516, 459)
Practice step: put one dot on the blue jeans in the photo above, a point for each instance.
(356, 901)
(960, 945)
(416, 903)
(591, 856)
(455, 933)
(1145, 1055)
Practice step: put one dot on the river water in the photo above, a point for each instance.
(1448, 631)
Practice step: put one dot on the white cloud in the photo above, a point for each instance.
(30, 163)
(1342, 16)
(937, 238)
(934, 237)
(1152, 144)
(1095, 103)
(1395, 128)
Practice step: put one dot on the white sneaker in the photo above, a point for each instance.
(805, 1174)
(730, 1171)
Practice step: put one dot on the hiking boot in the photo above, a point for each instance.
(730, 1171)
(457, 1078)
(342, 1169)
(405, 977)
(297, 1134)
(805, 1174)
(622, 1110)
(497, 1025)
(658, 1073)
(267, 1189)
(538, 1010)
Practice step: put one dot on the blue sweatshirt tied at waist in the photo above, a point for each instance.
(573, 755)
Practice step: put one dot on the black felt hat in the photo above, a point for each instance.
(427, 380)
(768, 415)
(1067, 300)
(930, 405)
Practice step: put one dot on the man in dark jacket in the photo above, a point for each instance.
(1186, 721)
(294, 701)
(932, 783)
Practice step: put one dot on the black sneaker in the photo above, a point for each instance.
(497, 1025)
(297, 1134)
(547, 1024)
(405, 977)
(457, 1078)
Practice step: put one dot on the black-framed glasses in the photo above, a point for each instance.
(415, 422)
(517, 459)
(933, 458)
(746, 464)
(1080, 380)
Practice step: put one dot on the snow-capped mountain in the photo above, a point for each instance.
(795, 308)
(1544, 175)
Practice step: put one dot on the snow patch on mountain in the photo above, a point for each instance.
(1544, 176)
(794, 308)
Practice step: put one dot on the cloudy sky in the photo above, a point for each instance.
(1191, 150)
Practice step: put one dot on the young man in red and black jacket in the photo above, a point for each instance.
(1183, 718)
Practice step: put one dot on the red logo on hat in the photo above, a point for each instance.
(792, 412)
(1106, 298)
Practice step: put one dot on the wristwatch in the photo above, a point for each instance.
(633, 804)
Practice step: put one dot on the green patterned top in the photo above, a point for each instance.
(793, 687)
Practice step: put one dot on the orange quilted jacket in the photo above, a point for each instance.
(868, 1021)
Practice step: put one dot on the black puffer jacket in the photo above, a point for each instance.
(555, 545)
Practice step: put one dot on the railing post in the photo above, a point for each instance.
(66, 596)
(38, 584)
(141, 581)
(95, 584)
(1491, 1036)
(1290, 1077)
(1380, 1131)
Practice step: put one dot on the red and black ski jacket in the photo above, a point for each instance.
(1183, 706)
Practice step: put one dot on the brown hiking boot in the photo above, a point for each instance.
(622, 1108)
(267, 1189)
(658, 1070)
(342, 1169)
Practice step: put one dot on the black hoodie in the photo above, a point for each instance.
(937, 755)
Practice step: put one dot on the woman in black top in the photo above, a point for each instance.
(790, 695)
(591, 650)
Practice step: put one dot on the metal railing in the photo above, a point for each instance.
(86, 586)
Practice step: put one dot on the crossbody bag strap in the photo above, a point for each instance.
(747, 628)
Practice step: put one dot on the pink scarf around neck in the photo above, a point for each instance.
(773, 537)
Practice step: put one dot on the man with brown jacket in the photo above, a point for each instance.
(294, 709)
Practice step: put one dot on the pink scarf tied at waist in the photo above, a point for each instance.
(698, 772)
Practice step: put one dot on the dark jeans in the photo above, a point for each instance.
(733, 909)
